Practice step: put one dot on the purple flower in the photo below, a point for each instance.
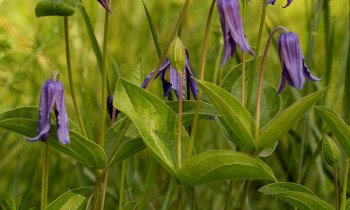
(52, 98)
(292, 62)
(170, 78)
(111, 108)
(232, 28)
(273, 2)
(105, 4)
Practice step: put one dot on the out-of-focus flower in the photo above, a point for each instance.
(232, 28)
(292, 62)
(170, 78)
(105, 4)
(273, 2)
(111, 108)
(52, 98)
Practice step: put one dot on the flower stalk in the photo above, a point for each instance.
(345, 184)
(180, 121)
(336, 188)
(245, 194)
(121, 190)
(45, 176)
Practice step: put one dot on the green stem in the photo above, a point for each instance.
(121, 190)
(97, 189)
(228, 195)
(180, 122)
(45, 177)
(336, 188)
(201, 77)
(257, 51)
(245, 193)
(218, 64)
(180, 198)
(70, 76)
(345, 184)
(104, 189)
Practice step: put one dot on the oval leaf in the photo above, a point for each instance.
(331, 151)
(24, 121)
(155, 121)
(337, 125)
(220, 165)
(296, 195)
(236, 117)
(77, 199)
(54, 8)
(284, 121)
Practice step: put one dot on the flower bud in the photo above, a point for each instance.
(177, 55)
(330, 151)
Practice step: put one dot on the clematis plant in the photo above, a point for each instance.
(292, 62)
(52, 98)
(274, 1)
(232, 28)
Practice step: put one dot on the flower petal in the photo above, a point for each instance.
(165, 63)
(282, 82)
(307, 73)
(288, 3)
(105, 4)
(191, 82)
(61, 115)
(270, 2)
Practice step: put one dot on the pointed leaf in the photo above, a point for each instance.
(136, 74)
(220, 165)
(24, 121)
(232, 112)
(337, 125)
(77, 199)
(296, 195)
(130, 206)
(155, 121)
(284, 121)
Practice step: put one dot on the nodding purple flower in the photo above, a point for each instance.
(105, 4)
(111, 108)
(273, 2)
(170, 78)
(292, 62)
(232, 28)
(52, 98)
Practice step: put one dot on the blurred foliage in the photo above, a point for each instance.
(30, 48)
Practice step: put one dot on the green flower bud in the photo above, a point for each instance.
(56, 7)
(177, 55)
(330, 151)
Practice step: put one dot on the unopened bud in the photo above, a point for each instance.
(177, 55)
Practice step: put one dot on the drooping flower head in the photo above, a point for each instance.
(232, 28)
(170, 78)
(105, 4)
(110, 108)
(292, 62)
(273, 2)
(52, 98)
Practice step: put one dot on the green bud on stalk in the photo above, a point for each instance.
(330, 151)
(177, 55)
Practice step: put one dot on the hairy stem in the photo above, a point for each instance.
(45, 176)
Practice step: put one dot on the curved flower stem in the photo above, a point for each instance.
(180, 121)
(245, 193)
(257, 50)
(201, 77)
(70, 76)
(345, 184)
(121, 190)
(45, 176)
(336, 188)
(257, 117)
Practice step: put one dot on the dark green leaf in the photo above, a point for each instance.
(77, 199)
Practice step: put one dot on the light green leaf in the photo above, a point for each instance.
(77, 199)
(296, 195)
(220, 165)
(155, 121)
(56, 8)
(130, 206)
(285, 120)
(236, 117)
(136, 74)
(24, 121)
(331, 151)
(337, 125)
(188, 109)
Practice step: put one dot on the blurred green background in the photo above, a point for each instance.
(30, 48)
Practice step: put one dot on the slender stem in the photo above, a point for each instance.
(97, 189)
(180, 121)
(345, 184)
(336, 188)
(228, 195)
(115, 147)
(180, 198)
(257, 117)
(45, 176)
(243, 78)
(121, 190)
(193, 198)
(104, 189)
(70, 76)
(218, 64)
(257, 51)
(201, 77)
(245, 193)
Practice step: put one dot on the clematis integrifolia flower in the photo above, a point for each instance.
(273, 2)
(232, 28)
(170, 78)
(292, 62)
(105, 4)
(52, 98)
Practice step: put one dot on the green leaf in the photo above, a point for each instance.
(347, 204)
(220, 165)
(337, 125)
(285, 120)
(155, 121)
(188, 109)
(331, 151)
(296, 195)
(136, 74)
(232, 112)
(130, 206)
(24, 121)
(56, 8)
(271, 103)
(77, 199)
(130, 144)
